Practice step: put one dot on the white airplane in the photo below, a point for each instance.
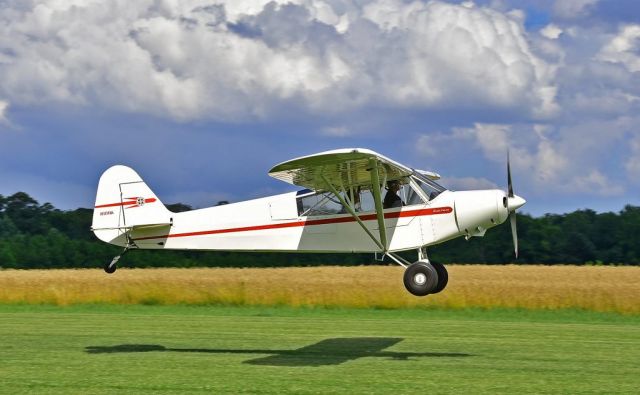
(342, 209)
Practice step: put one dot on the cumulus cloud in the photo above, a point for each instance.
(551, 31)
(632, 164)
(595, 183)
(4, 106)
(594, 71)
(251, 59)
(624, 48)
(540, 158)
(468, 183)
(547, 160)
(572, 9)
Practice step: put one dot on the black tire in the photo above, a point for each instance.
(110, 269)
(421, 278)
(443, 277)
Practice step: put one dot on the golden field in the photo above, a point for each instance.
(598, 288)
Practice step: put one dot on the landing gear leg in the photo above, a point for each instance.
(422, 254)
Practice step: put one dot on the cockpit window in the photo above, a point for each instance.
(319, 204)
(431, 188)
(410, 196)
(312, 204)
(326, 203)
(407, 194)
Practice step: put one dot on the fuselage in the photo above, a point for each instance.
(277, 223)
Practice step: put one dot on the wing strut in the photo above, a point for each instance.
(375, 188)
(349, 208)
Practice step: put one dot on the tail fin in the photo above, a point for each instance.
(125, 201)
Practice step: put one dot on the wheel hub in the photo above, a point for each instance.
(420, 278)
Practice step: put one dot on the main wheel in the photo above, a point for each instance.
(421, 278)
(443, 277)
(110, 269)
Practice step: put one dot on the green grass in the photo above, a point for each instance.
(189, 349)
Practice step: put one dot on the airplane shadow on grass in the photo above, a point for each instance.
(325, 352)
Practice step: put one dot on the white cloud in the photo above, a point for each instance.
(547, 161)
(551, 31)
(467, 183)
(594, 183)
(624, 48)
(238, 59)
(573, 9)
(4, 106)
(493, 139)
(427, 145)
(595, 73)
(632, 165)
(536, 155)
(610, 101)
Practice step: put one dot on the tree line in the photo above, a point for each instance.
(34, 235)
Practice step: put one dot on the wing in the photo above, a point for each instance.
(342, 168)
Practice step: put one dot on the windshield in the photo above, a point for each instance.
(431, 188)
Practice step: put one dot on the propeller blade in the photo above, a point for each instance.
(513, 202)
(514, 232)
(509, 183)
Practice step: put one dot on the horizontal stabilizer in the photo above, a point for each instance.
(135, 227)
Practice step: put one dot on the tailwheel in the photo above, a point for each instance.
(112, 266)
(109, 268)
(443, 277)
(421, 278)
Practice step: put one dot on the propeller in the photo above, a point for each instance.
(513, 202)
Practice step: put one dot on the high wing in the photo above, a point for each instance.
(342, 169)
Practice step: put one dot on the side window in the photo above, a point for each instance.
(319, 204)
(366, 200)
(407, 194)
(316, 204)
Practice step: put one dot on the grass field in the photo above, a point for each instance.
(614, 289)
(123, 349)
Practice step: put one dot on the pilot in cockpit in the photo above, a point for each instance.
(391, 199)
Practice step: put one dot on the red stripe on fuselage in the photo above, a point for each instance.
(366, 217)
(133, 202)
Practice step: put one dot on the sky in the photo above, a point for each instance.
(202, 98)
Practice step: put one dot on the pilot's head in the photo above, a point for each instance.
(393, 185)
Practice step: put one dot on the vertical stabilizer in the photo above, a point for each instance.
(123, 201)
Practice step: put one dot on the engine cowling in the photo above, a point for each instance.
(477, 211)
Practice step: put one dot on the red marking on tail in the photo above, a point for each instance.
(131, 203)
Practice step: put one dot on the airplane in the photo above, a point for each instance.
(340, 209)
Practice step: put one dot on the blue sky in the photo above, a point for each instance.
(203, 97)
